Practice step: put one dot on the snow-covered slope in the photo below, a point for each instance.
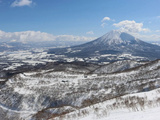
(140, 106)
(118, 66)
(45, 94)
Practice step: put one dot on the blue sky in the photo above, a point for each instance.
(89, 18)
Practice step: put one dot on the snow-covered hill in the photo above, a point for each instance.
(65, 93)
(140, 106)
(118, 66)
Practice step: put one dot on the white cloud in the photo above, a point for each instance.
(90, 32)
(135, 28)
(151, 38)
(73, 38)
(103, 24)
(131, 26)
(37, 36)
(106, 19)
(20, 3)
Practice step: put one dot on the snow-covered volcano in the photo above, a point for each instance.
(116, 37)
(114, 42)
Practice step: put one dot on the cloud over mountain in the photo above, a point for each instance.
(33, 36)
(131, 26)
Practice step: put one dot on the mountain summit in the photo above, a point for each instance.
(116, 37)
(114, 42)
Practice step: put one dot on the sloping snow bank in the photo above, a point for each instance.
(139, 106)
